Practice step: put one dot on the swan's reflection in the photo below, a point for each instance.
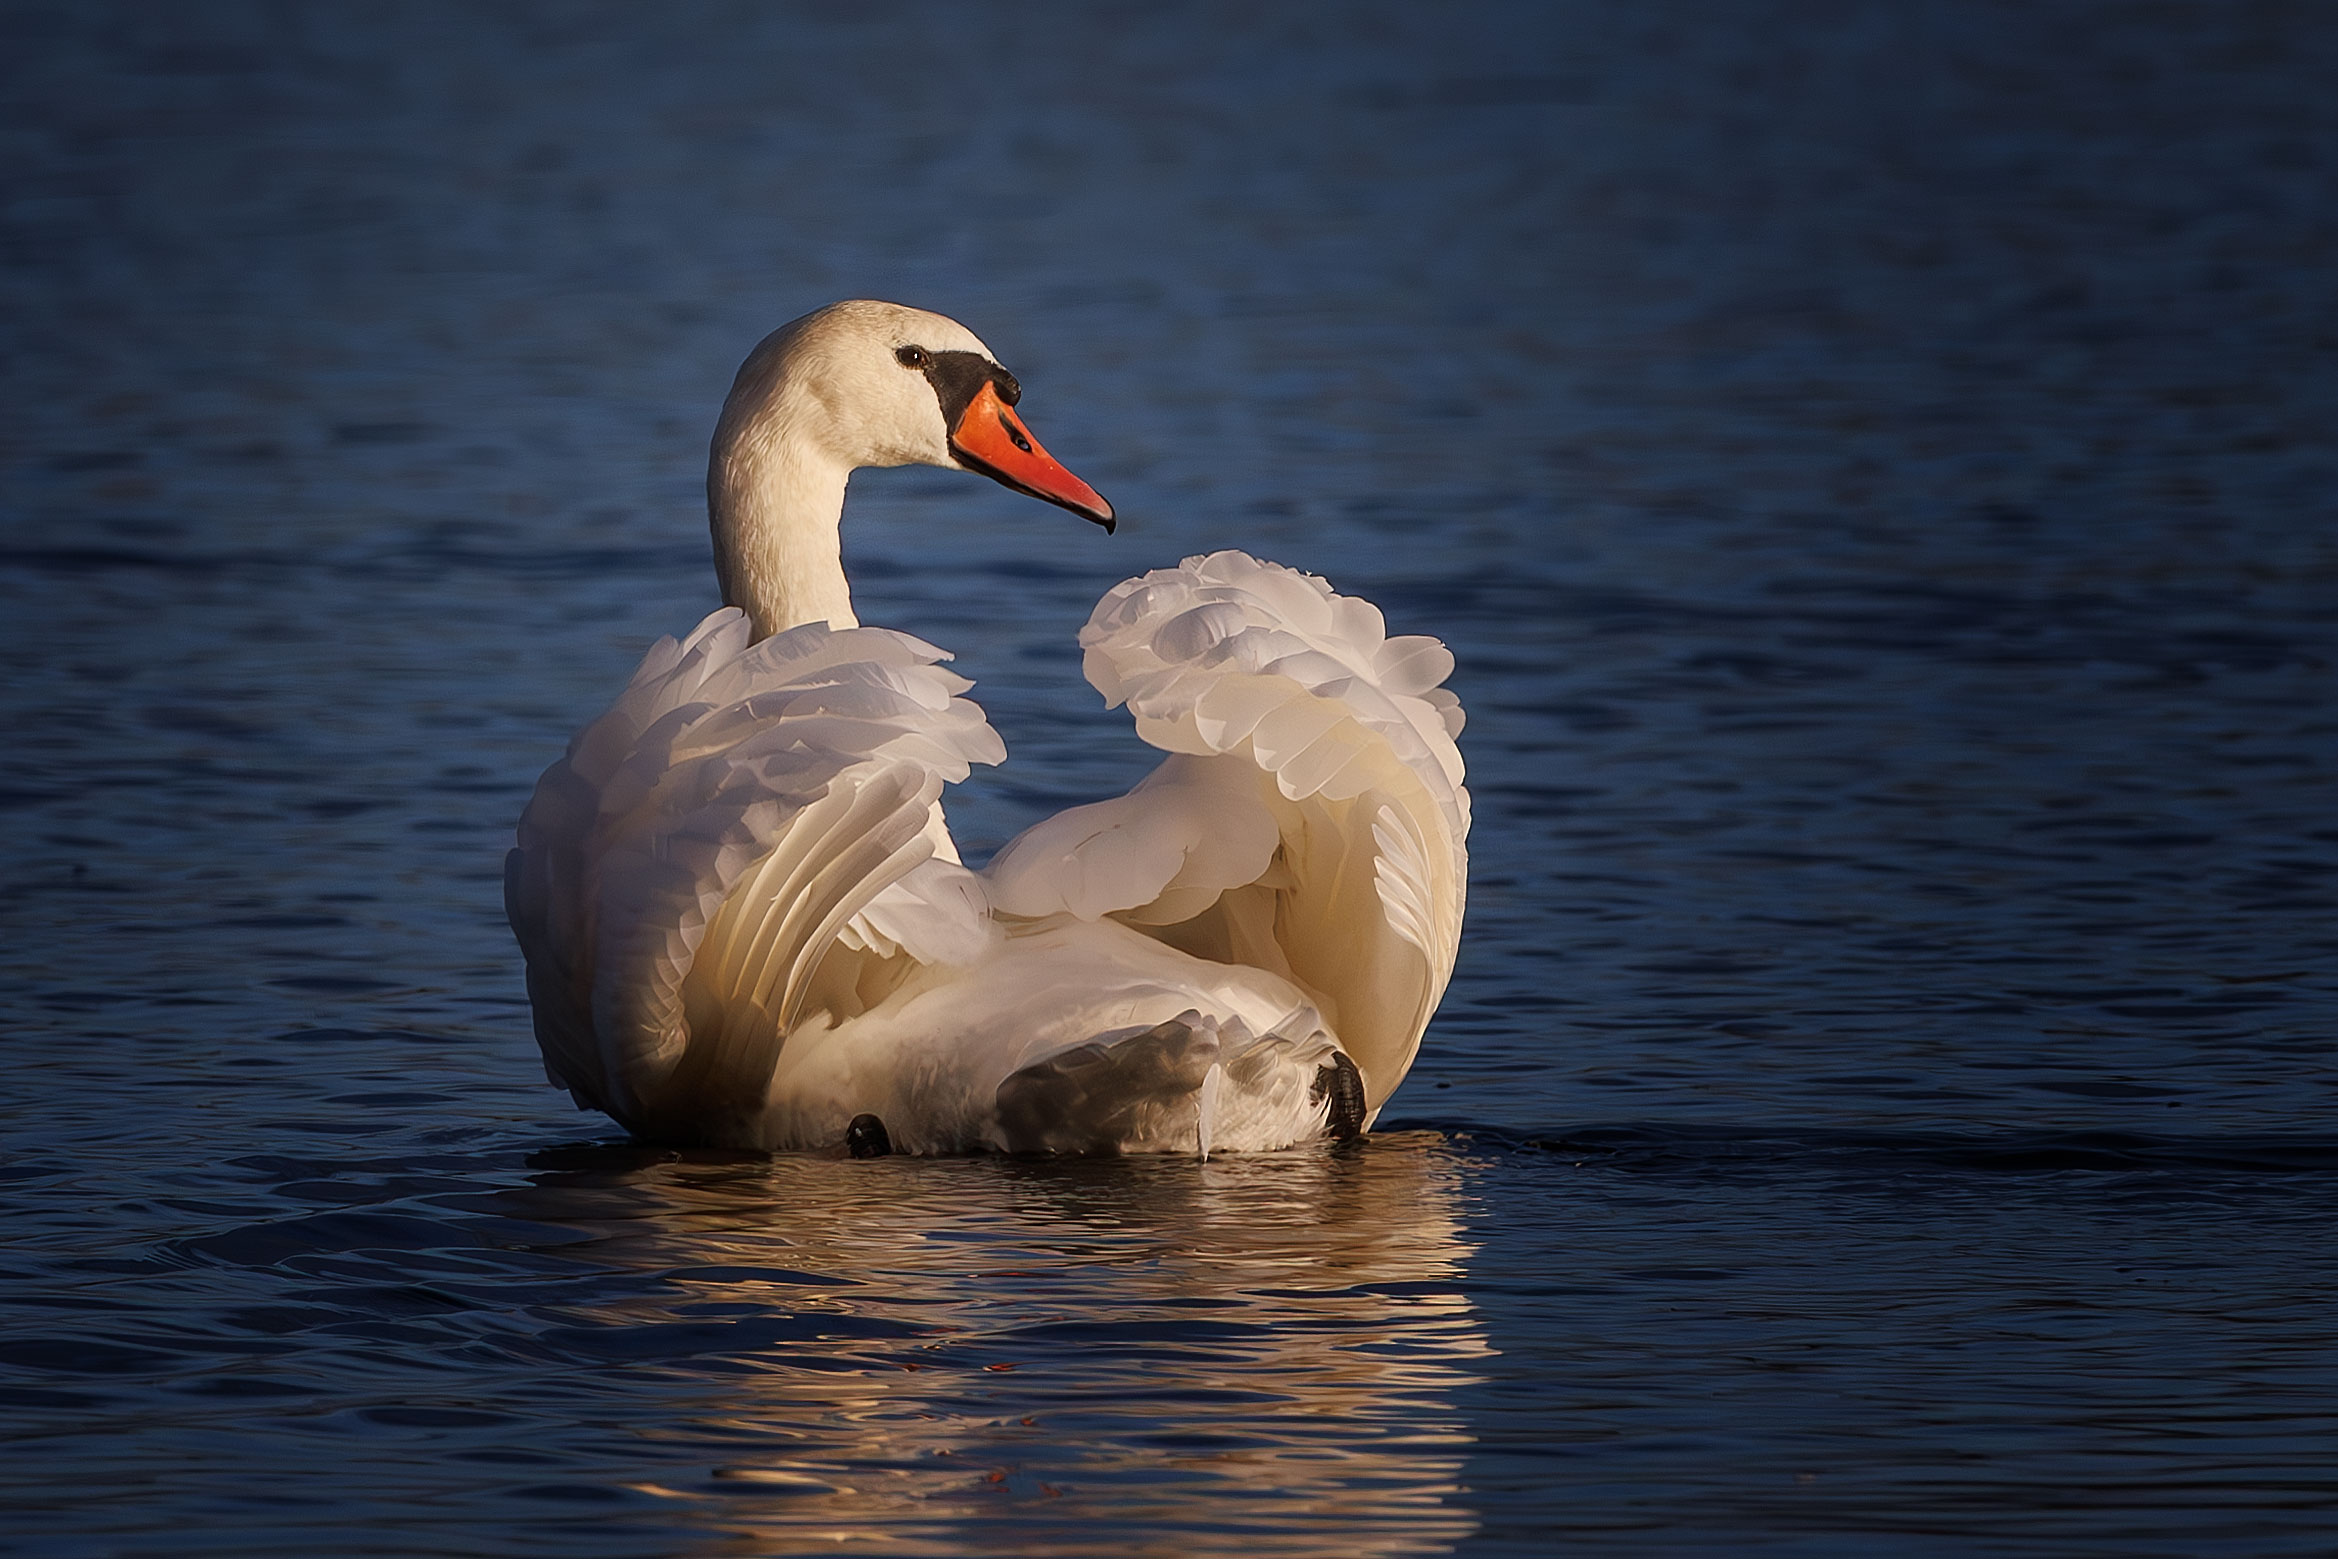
(990, 1356)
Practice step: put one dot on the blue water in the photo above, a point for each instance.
(1873, 464)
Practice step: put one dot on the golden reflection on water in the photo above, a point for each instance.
(1257, 1352)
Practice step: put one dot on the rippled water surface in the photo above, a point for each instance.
(1874, 466)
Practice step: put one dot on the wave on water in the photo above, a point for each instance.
(1659, 1146)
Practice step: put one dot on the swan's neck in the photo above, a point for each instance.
(774, 499)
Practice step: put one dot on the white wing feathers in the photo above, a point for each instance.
(708, 841)
(937, 914)
(1161, 853)
(745, 855)
(1313, 820)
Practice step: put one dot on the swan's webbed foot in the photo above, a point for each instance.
(865, 1137)
(1345, 1086)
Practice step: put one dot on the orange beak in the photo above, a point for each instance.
(991, 439)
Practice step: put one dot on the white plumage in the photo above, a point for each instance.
(745, 923)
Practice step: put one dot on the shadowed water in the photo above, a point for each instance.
(1873, 466)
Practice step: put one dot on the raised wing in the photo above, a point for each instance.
(1311, 820)
(751, 829)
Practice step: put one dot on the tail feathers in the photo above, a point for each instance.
(1194, 1084)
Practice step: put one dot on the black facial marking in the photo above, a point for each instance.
(958, 377)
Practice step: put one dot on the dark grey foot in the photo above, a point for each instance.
(1345, 1086)
(866, 1138)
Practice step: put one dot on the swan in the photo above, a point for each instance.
(745, 922)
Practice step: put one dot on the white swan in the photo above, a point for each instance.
(745, 921)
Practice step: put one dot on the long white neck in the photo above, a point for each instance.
(774, 498)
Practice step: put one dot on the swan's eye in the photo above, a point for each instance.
(913, 357)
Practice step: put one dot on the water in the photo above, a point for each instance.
(1873, 465)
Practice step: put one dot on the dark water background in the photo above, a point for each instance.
(1874, 463)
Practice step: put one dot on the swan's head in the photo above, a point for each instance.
(877, 384)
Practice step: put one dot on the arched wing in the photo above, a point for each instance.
(1311, 819)
(750, 827)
